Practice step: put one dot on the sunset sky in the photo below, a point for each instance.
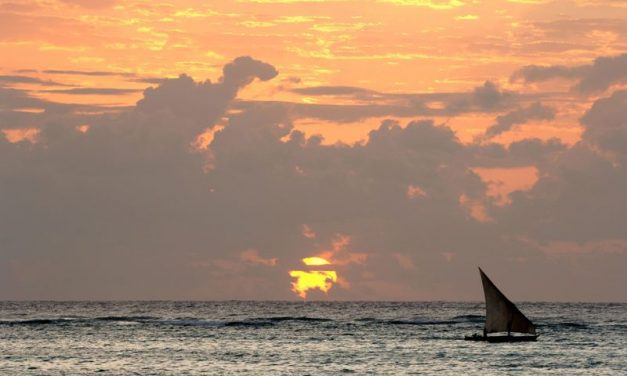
(381, 148)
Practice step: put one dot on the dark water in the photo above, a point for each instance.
(316, 338)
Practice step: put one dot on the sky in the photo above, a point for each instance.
(316, 150)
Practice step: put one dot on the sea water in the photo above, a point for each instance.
(302, 338)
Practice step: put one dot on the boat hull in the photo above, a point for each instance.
(501, 339)
(475, 337)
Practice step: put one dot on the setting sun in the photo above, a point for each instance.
(315, 261)
(315, 279)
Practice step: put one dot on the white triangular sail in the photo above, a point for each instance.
(501, 314)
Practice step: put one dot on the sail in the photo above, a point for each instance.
(501, 314)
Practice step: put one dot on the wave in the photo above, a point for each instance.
(453, 321)
(572, 325)
(37, 322)
(246, 322)
(469, 318)
(422, 322)
(188, 322)
(295, 318)
(77, 320)
(126, 318)
(568, 325)
(270, 321)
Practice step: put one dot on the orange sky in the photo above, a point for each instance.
(388, 46)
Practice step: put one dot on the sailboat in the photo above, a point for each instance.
(503, 320)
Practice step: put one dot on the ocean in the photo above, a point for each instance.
(302, 338)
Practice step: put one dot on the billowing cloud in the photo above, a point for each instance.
(129, 208)
(576, 207)
(606, 124)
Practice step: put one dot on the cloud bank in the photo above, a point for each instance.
(129, 207)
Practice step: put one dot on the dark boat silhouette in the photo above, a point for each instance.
(503, 320)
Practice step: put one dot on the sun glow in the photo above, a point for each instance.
(19, 135)
(314, 279)
(315, 261)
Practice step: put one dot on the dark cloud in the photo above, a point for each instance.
(537, 73)
(16, 79)
(16, 100)
(606, 124)
(243, 70)
(88, 73)
(11, 99)
(331, 90)
(131, 168)
(527, 152)
(135, 191)
(129, 209)
(203, 103)
(150, 80)
(338, 113)
(504, 123)
(579, 197)
(596, 77)
(485, 98)
(92, 91)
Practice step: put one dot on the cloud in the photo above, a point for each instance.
(92, 91)
(19, 109)
(122, 169)
(14, 99)
(130, 209)
(204, 101)
(369, 103)
(19, 79)
(484, 98)
(526, 152)
(150, 80)
(88, 73)
(597, 77)
(243, 70)
(331, 90)
(579, 196)
(504, 123)
(606, 124)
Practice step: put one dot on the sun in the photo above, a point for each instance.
(313, 279)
